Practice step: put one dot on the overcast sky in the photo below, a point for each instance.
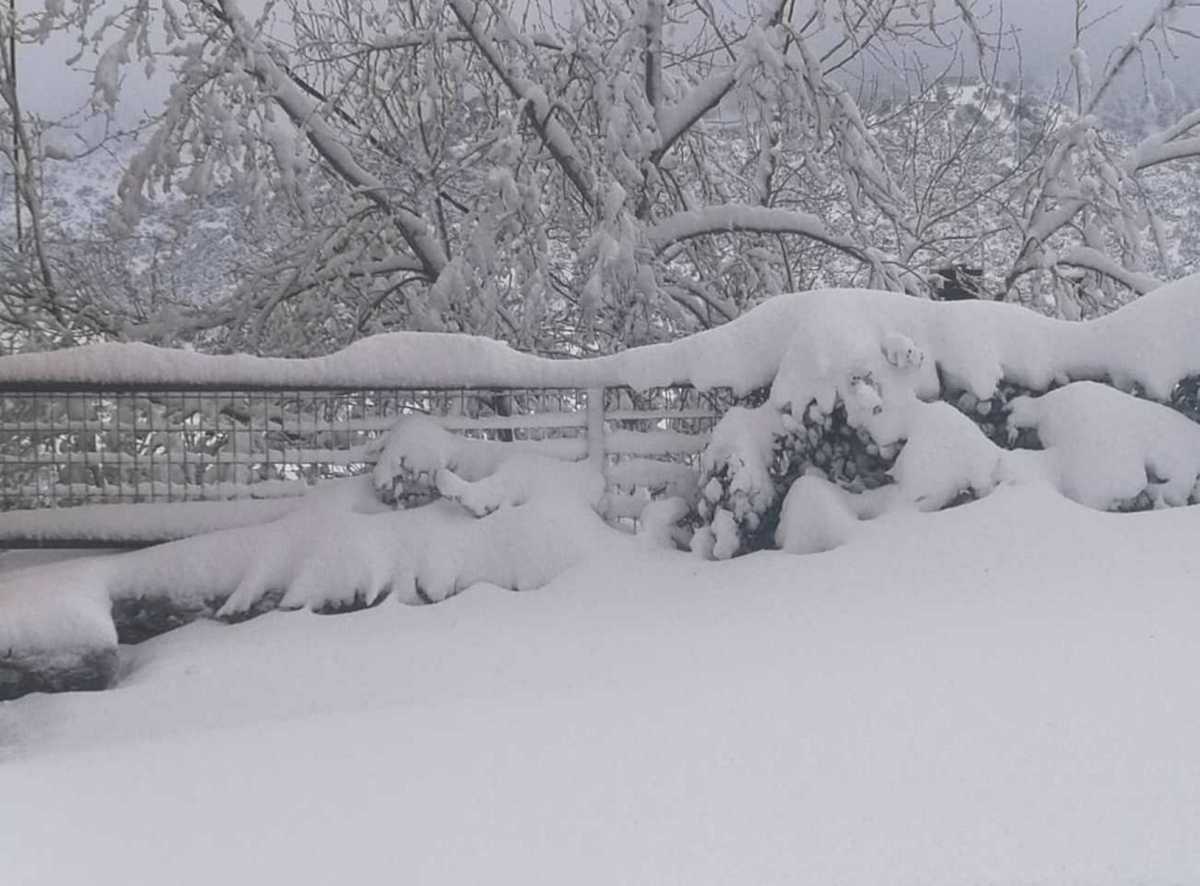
(1045, 28)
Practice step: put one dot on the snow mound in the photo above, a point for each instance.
(508, 518)
(57, 606)
(56, 630)
(1105, 448)
(945, 457)
(417, 457)
(658, 525)
(522, 521)
(862, 385)
(815, 517)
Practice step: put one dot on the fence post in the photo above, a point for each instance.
(595, 426)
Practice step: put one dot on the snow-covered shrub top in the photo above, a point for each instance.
(1151, 342)
(974, 343)
(496, 514)
(1104, 447)
(418, 460)
(872, 363)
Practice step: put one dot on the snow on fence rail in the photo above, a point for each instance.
(69, 444)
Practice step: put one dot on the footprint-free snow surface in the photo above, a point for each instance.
(1001, 693)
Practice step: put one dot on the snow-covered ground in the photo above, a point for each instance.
(1000, 693)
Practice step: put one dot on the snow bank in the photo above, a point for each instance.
(945, 457)
(152, 521)
(1003, 693)
(508, 517)
(815, 517)
(521, 522)
(659, 524)
(56, 631)
(975, 345)
(58, 606)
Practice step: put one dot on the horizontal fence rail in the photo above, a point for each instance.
(66, 445)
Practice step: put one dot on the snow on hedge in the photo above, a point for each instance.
(496, 514)
(850, 407)
(1105, 448)
(976, 344)
(861, 369)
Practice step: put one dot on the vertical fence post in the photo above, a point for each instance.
(595, 426)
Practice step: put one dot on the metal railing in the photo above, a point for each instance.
(65, 444)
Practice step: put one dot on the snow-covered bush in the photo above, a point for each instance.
(885, 403)
(440, 513)
(1114, 451)
(754, 458)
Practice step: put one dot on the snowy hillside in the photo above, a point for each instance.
(1002, 694)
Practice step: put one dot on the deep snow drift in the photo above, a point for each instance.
(1000, 693)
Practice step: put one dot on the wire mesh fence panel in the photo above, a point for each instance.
(64, 445)
(654, 438)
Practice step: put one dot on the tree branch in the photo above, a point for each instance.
(748, 219)
(538, 109)
(304, 112)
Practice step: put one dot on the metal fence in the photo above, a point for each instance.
(63, 445)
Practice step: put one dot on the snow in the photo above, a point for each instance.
(815, 517)
(658, 525)
(742, 441)
(1001, 693)
(945, 455)
(507, 516)
(54, 610)
(1105, 447)
(153, 521)
(973, 343)
(344, 547)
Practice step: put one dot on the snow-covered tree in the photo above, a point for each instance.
(585, 179)
(1088, 221)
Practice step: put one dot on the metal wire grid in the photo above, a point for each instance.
(70, 445)
(679, 409)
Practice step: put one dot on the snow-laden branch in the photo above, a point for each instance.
(305, 113)
(1168, 145)
(1094, 260)
(392, 265)
(426, 37)
(538, 107)
(652, 28)
(747, 219)
(674, 121)
(1163, 10)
